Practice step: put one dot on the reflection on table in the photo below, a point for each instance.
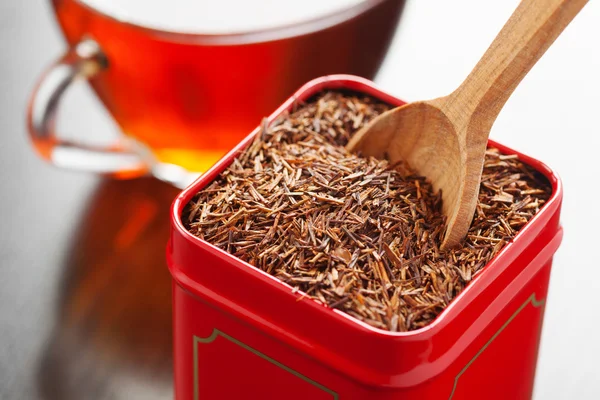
(113, 337)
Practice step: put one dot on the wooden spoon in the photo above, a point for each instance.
(445, 139)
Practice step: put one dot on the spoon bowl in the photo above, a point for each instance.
(423, 136)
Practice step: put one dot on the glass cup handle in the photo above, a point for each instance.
(124, 159)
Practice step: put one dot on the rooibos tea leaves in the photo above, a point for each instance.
(357, 234)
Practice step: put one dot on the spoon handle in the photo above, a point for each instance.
(531, 29)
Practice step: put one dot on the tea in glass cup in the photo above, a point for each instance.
(185, 80)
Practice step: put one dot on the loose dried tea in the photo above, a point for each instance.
(355, 233)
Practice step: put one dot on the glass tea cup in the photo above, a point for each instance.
(185, 80)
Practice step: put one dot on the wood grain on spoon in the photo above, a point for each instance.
(445, 139)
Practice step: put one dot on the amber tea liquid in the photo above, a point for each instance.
(191, 78)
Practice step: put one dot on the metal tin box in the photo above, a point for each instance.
(242, 334)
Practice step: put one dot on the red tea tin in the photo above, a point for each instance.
(240, 333)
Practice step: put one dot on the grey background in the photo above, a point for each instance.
(552, 116)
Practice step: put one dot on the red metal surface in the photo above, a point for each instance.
(240, 333)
